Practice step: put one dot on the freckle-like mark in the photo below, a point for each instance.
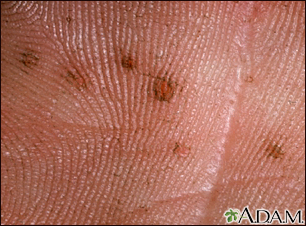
(275, 150)
(128, 62)
(249, 79)
(164, 89)
(68, 19)
(181, 150)
(76, 79)
(29, 59)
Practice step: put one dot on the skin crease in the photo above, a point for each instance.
(85, 139)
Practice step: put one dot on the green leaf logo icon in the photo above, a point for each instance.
(230, 214)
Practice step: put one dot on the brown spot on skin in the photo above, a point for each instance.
(68, 19)
(249, 79)
(274, 147)
(128, 62)
(29, 59)
(181, 150)
(275, 150)
(76, 79)
(164, 89)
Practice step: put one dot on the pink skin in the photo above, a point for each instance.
(84, 140)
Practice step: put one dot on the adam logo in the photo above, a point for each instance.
(230, 215)
(262, 216)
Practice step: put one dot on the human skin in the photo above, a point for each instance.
(151, 113)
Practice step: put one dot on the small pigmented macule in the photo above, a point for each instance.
(275, 151)
(128, 62)
(181, 150)
(164, 90)
(29, 59)
(275, 148)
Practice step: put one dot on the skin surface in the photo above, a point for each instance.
(151, 113)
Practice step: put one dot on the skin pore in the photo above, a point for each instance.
(151, 112)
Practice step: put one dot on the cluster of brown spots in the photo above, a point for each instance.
(29, 59)
(128, 62)
(164, 89)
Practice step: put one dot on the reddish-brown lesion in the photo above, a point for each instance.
(164, 89)
(273, 146)
(181, 150)
(76, 79)
(128, 62)
(275, 151)
(29, 59)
